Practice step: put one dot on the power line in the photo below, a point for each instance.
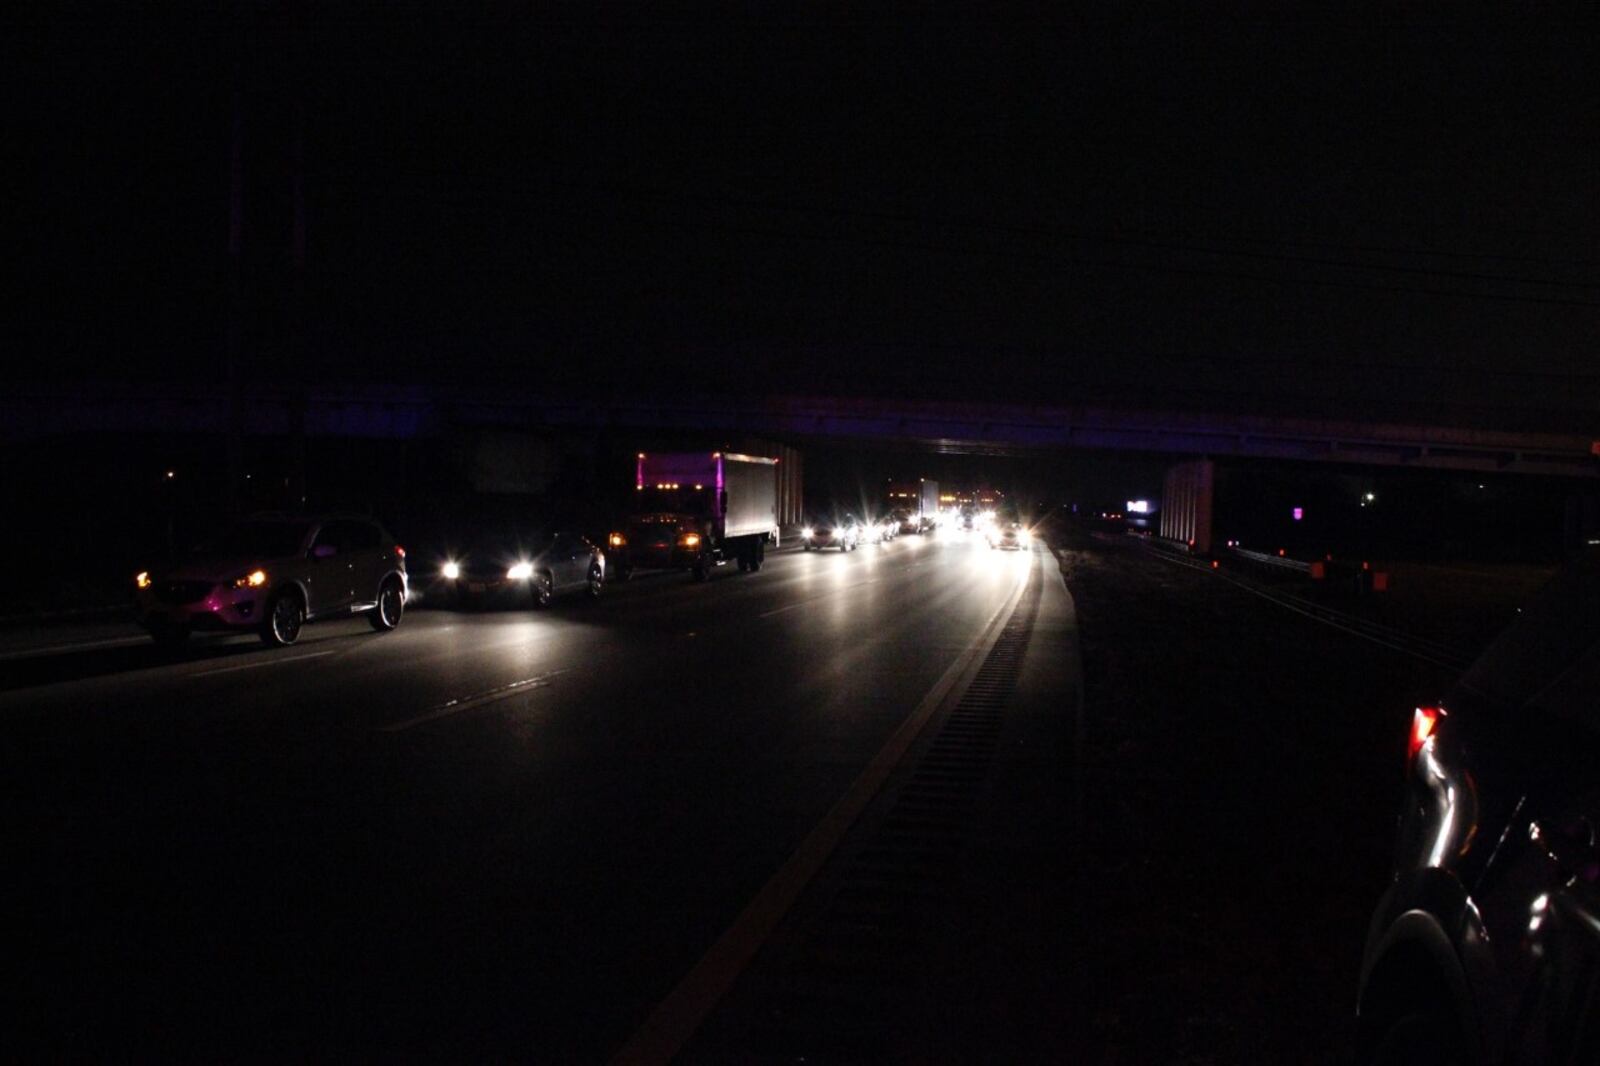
(1142, 239)
(1078, 263)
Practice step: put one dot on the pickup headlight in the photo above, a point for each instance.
(520, 572)
(253, 580)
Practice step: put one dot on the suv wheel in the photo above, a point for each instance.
(285, 617)
(391, 606)
(544, 590)
(597, 582)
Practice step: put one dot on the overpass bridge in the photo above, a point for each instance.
(952, 427)
(1192, 442)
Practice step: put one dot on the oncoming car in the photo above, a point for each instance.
(507, 564)
(844, 534)
(271, 574)
(1008, 535)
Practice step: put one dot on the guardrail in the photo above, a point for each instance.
(1282, 562)
(1425, 648)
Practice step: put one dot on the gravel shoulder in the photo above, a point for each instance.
(1242, 768)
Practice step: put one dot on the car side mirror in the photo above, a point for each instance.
(324, 551)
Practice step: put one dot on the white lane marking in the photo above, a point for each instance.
(274, 661)
(467, 703)
(83, 645)
(676, 1018)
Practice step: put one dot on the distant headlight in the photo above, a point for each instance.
(142, 579)
(616, 540)
(451, 571)
(806, 534)
(690, 540)
(253, 580)
(520, 572)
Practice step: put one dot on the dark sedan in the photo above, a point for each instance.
(1486, 946)
(1009, 535)
(509, 565)
(844, 533)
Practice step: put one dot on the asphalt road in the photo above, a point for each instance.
(501, 833)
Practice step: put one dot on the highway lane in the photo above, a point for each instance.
(485, 833)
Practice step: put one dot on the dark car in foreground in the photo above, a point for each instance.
(271, 574)
(511, 564)
(1486, 946)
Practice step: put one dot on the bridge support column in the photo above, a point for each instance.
(1186, 502)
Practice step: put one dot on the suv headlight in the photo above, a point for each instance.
(520, 572)
(253, 580)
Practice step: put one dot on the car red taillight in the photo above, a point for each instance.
(399, 551)
(1423, 719)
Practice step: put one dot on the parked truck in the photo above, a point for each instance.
(916, 502)
(696, 511)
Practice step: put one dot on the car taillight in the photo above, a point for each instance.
(401, 552)
(1423, 720)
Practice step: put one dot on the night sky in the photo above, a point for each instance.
(1246, 210)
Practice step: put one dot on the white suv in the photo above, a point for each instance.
(271, 574)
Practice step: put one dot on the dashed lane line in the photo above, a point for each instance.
(82, 645)
(273, 661)
(818, 599)
(467, 703)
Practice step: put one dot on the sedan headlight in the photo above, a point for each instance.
(451, 571)
(520, 572)
(253, 580)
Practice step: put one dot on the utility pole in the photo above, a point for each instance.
(235, 326)
(297, 266)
